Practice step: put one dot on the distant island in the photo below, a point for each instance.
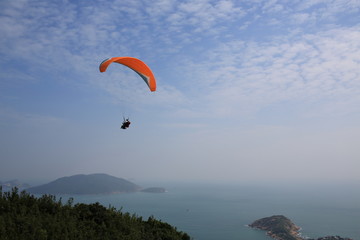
(98, 183)
(13, 183)
(280, 227)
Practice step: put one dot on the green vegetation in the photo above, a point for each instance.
(24, 216)
(278, 227)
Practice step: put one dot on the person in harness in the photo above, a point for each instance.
(126, 123)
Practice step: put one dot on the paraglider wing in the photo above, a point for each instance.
(135, 64)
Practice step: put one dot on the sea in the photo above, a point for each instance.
(223, 211)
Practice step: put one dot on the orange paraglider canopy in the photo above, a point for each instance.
(135, 64)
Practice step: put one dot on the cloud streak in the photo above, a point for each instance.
(306, 68)
(293, 66)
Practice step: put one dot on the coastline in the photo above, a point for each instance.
(280, 227)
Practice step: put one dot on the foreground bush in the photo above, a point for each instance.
(24, 216)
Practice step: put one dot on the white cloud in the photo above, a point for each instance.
(321, 68)
(205, 14)
(272, 6)
(328, 10)
(159, 8)
(301, 18)
(298, 67)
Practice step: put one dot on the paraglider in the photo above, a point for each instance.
(126, 123)
(135, 64)
(139, 67)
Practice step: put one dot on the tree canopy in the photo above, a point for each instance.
(24, 216)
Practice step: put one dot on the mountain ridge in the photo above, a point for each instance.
(97, 183)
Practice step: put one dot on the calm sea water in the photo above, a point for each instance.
(221, 212)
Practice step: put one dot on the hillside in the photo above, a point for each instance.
(23, 216)
(86, 184)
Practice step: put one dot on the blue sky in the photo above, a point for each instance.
(264, 90)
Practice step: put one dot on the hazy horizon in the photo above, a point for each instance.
(280, 184)
(248, 91)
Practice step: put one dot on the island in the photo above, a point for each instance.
(280, 227)
(98, 183)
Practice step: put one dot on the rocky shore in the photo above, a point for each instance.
(280, 227)
(330, 238)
